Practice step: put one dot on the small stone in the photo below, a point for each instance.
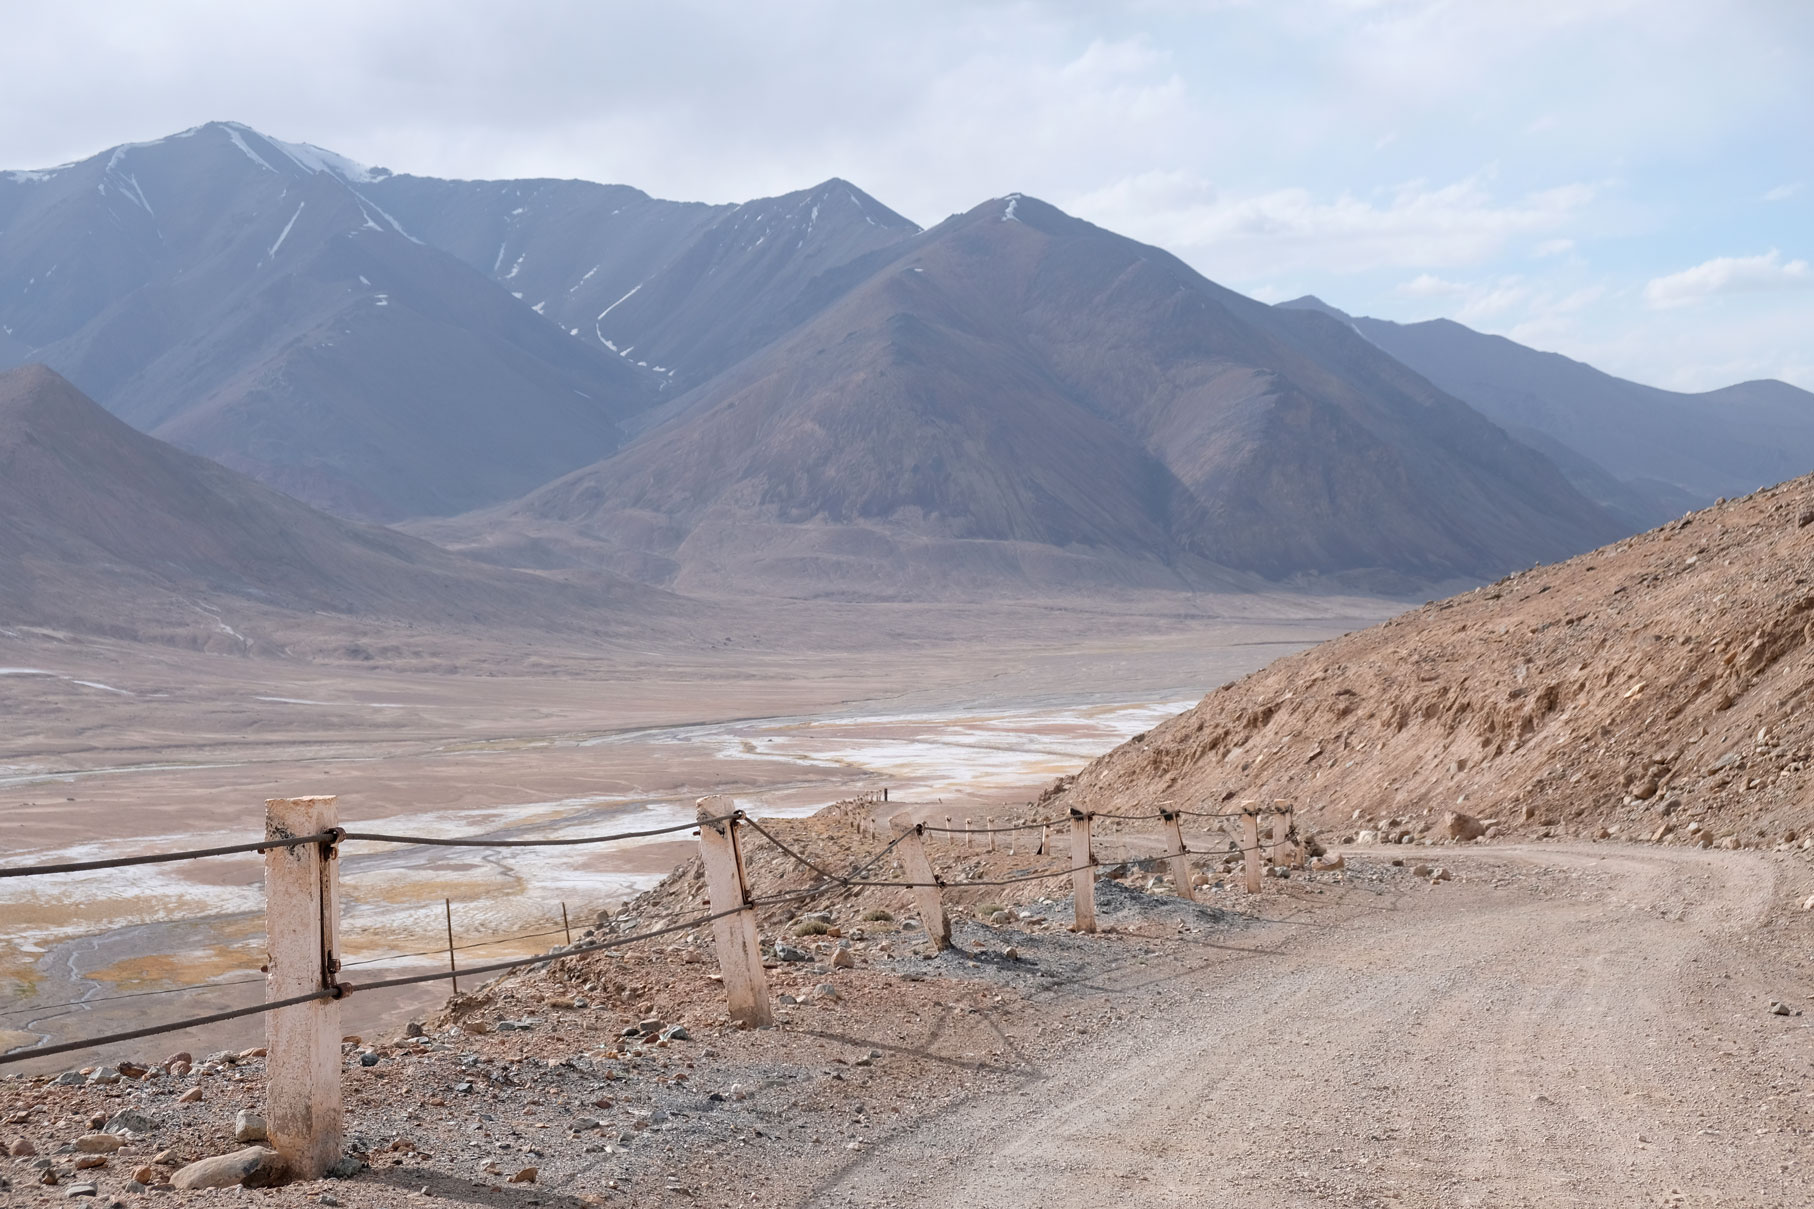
(345, 1168)
(246, 1055)
(127, 1121)
(650, 1026)
(368, 1058)
(1440, 875)
(168, 1157)
(248, 1126)
(88, 1161)
(22, 1148)
(786, 1000)
(178, 1070)
(583, 1124)
(145, 1175)
(330, 1200)
(790, 953)
(1421, 871)
(98, 1143)
(1780, 1009)
(255, 1167)
(81, 1190)
(1011, 953)
(192, 1096)
(525, 1176)
(182, 1056)
(843, 960)
(133, 1070)
(413, 1029)
(1328, 864)
(827, 991)
(677, 1033)
(104, 1074)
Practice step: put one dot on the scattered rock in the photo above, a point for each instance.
(677, 1033)
(1328, 864)
(98, 1143)
(255, 1167)
(81, 1190)
(1421, 871)
(525, 1176)
(88, 1162)
(129, 1121)
(192, 1096)
(785, 952)
(104, 1074)
(827, 991)
(248, 1126)
(21, 1148)
(145, 1175)
(844, 960)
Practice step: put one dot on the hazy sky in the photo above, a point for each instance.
(1626, 181)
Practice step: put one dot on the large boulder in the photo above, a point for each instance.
(1458, 826)
(255, 1167)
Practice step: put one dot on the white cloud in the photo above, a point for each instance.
(1783, 192)
(1555, 247)
(1414, 226)
(1428, 285)
(1728, 275)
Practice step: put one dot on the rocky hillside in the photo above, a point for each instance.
(1658, 688)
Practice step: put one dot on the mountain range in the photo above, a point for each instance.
(810, 395)
(1649, 454)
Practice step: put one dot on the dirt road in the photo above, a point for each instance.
(1581, 1025)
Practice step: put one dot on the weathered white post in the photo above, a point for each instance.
(1250, 845)
(1180, 862)
(969, 831)
(734, 934)
(304, 1118)
(925, 885)
(1083, 872)
(1280, 830)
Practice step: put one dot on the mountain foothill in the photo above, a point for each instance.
(240, 365)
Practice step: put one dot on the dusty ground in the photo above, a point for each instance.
(117, 747)
(1583, 1024)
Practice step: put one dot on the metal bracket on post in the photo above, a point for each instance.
(304, 1116)
(734, 931)
(1083, 872)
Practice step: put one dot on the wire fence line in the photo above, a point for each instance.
(330, 838)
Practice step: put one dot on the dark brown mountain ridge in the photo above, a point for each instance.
(1019, 376)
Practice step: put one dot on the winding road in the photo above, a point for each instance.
(1560, 1026)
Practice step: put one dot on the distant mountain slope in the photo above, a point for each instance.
(248, 299)
(1016, 384)
(682, 289)
(1723, 442)
(102, 526)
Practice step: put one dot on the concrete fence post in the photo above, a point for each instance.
(1180, 863)
(1281, 830)
(925, 885)
(304, 1117)
(739, 950)
(1250, 847)
(1083, 872)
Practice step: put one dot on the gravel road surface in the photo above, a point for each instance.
(1584, 1025)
